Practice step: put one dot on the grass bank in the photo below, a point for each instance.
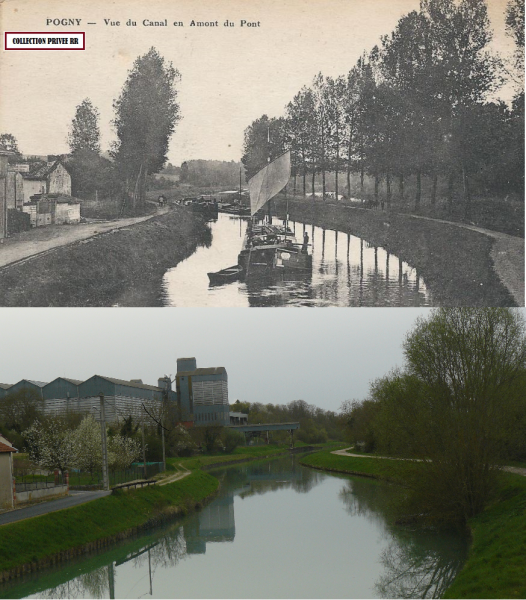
(240, 454)
(122, 267)
(376, 468)
(49, 539)
(455, 263)
(495, 567)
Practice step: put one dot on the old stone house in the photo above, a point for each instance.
(14, 189)
(47, 178)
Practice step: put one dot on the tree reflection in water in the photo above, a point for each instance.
(417, 564)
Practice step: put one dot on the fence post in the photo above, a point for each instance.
(14, 491)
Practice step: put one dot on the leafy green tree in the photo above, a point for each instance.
(455, 405)
(232, 439)
(85, 133)
(18, 410)
(146, 114)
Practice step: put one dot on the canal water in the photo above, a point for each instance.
(346, 271)
(276, 530)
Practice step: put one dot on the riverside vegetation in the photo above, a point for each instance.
(495, 566)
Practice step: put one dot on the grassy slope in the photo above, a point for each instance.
(455, 263)
(496, 566)
(124, 267)
(102, 518)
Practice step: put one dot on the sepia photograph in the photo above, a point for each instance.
(344, 153)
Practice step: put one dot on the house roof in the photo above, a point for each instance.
(4, 386)
(6, 448)
(207, 371)
(130, 383)
(42, 171)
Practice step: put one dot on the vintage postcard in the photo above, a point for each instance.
(230, 153)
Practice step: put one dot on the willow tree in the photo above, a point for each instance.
(146, 114)
(457, 406)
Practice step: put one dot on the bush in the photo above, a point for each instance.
(232, 439)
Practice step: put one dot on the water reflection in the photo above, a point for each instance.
(346, 271)
(267, 513)
(417, 563)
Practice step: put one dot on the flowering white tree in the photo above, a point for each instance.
(122, 451)
(88, 445)
(51, 444)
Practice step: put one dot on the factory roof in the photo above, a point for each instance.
(37, 383)
(4, 386)
(208, 371)
(73, 381)
(142, 386)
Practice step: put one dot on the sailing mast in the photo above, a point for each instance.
(268, 162)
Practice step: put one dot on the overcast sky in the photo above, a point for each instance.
(230, 76)
(271, 355)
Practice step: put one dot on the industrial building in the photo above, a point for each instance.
(201, 395)
(203, 392)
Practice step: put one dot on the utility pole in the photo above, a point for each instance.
(164, 451)
(105, 478)
(143, 450)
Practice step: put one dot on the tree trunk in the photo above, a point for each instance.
(401, 190)
(349, 167)
(388, 188)
(434, 189)
(361, 170)
(418, 195)
(294, 189)
(304, 178)
(313, 178)
(376, 187)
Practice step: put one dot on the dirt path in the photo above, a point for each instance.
(44, 239)
(507, 255)
(344, 452)
(175, 477)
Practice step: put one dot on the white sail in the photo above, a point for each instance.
(268, 182)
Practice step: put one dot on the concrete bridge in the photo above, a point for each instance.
(263, 429)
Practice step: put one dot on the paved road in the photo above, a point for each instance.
(43, 508)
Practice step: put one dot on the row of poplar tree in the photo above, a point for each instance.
(415, 105)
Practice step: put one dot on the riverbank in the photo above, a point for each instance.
(44, 541)
(121, 267)
(243, 454)
(456, 263)
(495, 567)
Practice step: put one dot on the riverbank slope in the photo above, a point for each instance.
(121, 267)
(456, 262)
(495, 567)
(43, 541)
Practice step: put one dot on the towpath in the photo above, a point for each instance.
(42, 240)
(507, 254)
(345, 452)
